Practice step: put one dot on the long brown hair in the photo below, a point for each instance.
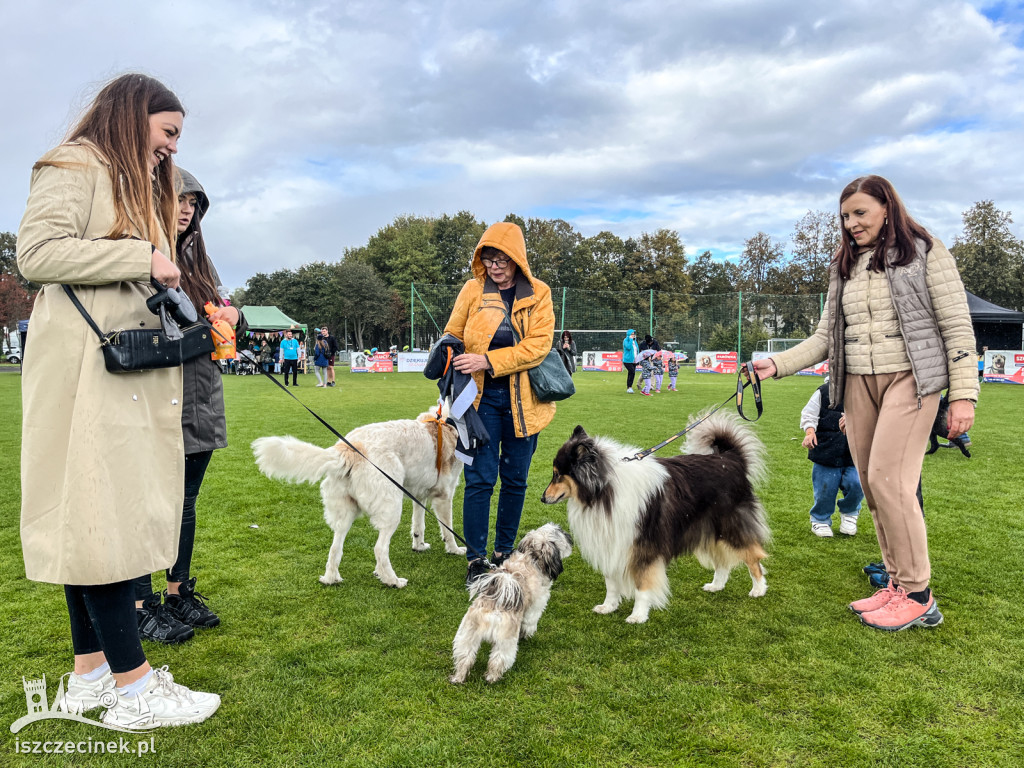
(899, 232)
(117, 123)
(197, 272)
(196, 275)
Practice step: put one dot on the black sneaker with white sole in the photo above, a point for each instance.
(157, 624)
(476, 569)
(189, 607)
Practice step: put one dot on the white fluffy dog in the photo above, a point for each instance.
(508, 602)
(406, 449)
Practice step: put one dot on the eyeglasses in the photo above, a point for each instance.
(499, 263)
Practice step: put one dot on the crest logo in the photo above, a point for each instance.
(62, 709)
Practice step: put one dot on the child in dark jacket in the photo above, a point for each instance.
(833, 469)
(646, 370)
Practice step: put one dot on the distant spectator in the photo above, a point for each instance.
(290, 357)
(332, 353)
(673, 372)
(567, 349)
(266, 356)
(321, 359)
(630, 353)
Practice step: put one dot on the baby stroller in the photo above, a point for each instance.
(245, 364)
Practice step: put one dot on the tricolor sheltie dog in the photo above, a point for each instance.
(630, 519)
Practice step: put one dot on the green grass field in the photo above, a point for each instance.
(356, 674)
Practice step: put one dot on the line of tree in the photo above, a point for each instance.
(367, 288)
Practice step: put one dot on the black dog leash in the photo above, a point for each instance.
(746, 370)
(401, 487)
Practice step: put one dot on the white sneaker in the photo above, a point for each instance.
(848, 525)
(629, 390)
(81, 695)
(162, 702)
(824, 530)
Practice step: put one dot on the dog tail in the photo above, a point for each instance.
(501, 587)
(292, 460)
(722, 432)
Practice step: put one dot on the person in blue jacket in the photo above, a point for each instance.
(630, 351)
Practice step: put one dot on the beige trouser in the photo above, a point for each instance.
(888, 434)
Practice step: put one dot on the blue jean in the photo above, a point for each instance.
(827, 482)
(512, 465)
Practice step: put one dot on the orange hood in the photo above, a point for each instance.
(508, 238)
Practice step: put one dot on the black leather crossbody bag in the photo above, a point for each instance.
(145, 349)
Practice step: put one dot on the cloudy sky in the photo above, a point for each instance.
(313, 124)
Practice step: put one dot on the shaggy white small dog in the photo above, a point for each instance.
(508, 602)
(406, 449)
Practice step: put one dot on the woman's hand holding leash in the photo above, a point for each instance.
(765, 367)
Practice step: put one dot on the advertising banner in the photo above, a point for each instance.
(1005, 366)
(716, 362)
(602, 361)
(378, 363)
(412, 362)
(821, 369)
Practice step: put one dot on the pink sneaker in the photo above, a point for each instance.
(658, 391)
(646, 394)
(902, 612)
(876, 601)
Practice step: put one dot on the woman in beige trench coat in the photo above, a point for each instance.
(102, 454)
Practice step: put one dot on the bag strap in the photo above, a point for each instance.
(88, 319)
(511, 325)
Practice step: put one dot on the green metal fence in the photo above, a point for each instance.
(598, 320)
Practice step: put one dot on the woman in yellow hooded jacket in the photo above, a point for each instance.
(506, 321)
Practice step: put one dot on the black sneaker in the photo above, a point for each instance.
(500, 557)
(158, 625)
(477, 568)
(189, 607)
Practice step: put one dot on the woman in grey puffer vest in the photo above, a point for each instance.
(896, 331)
(203, 425)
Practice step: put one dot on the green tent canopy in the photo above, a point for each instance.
(270, 319)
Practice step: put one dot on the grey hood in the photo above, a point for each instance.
(187, 184)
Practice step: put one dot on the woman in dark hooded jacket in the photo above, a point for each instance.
(203, 426)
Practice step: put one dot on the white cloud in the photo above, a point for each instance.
(313, 124)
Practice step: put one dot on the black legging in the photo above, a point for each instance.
(631, 372)
(195, 470)
(103, 619)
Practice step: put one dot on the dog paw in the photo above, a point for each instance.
(636, 618)
(758, 591)
(453, 550)
(398, 583)
(605, 608)
(456, 680)
(422, 546)
(330, 580)
(712, 587)
(491, 677)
